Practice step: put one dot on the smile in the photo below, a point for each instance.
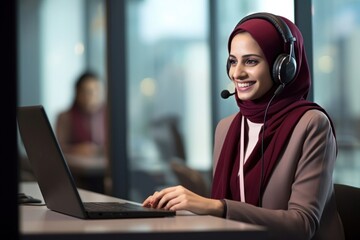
(245, 85)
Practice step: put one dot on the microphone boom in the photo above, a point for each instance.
(226, 94)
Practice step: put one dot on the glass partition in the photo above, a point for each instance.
(168, 82)
(336, 27)
(58, 41)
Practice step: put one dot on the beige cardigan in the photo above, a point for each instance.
(299, 201)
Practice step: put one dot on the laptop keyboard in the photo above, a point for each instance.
(112, 206)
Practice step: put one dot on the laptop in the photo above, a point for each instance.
(55, 180)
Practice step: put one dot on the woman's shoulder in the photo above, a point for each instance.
(226, 121)
(315, 117)
(223, 126)
(314, 120)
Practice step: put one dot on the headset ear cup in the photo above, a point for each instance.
(284, 69)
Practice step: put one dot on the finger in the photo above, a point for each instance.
(159, 195)
(168, 196)
(156, 197)
(147, 202)
(151, 200)
(175, 204)
(160, 198)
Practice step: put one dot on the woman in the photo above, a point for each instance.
(81, 132)
(274, 159)
(81, 129)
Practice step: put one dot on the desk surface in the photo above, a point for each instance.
(38, 222)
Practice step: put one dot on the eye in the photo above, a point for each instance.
(232, 61)
(251, 61)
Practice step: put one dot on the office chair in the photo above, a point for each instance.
(190, 178)
(348, 205)
(166, 134)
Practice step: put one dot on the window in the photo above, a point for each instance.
(336, 31)
(169, 115)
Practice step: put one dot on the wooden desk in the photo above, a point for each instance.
(38, 222)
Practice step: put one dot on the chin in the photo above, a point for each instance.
(245, 97)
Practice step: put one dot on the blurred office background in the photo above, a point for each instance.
(163, 62)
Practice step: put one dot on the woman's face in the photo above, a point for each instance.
(249, 69)
(89, 95)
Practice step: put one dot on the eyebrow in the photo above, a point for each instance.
(248, 55)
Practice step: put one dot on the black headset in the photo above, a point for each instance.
(284, 68)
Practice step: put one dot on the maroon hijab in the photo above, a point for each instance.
(283, 114)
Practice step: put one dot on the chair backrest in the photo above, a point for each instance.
(167, 136)
(190, 178)
(348, 204)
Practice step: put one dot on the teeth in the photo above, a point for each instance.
(242, 85)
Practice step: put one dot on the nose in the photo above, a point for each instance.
(239, 72)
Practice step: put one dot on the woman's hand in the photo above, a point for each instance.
(179, 198)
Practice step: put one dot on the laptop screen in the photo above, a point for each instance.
(47, 160)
